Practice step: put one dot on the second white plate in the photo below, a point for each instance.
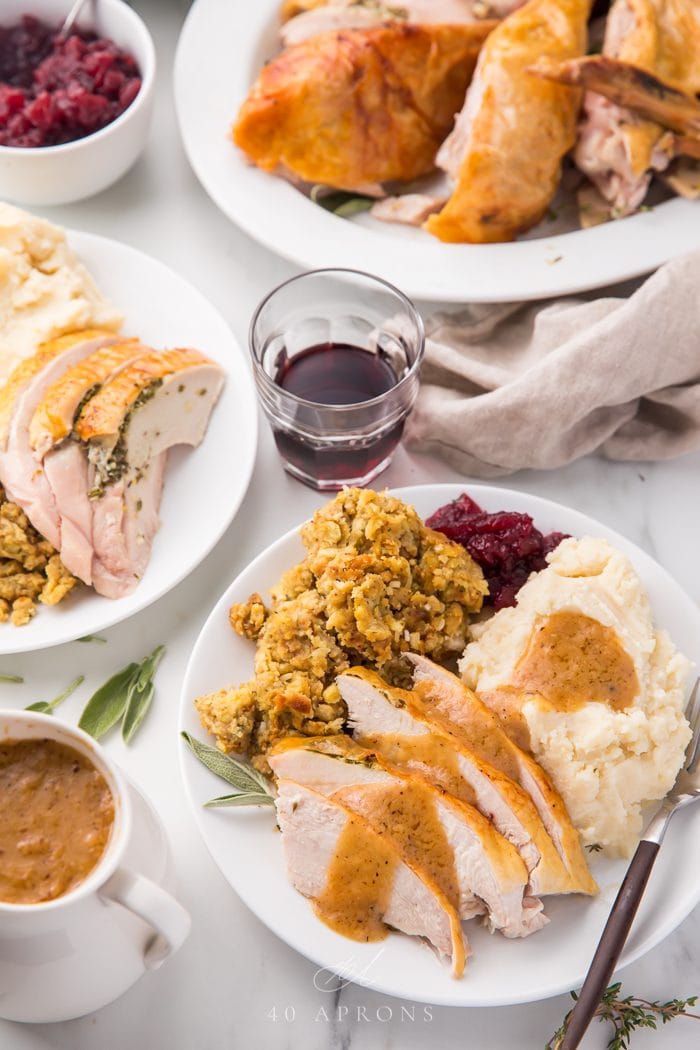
(222, 48)
(203, 487)
(501, 972)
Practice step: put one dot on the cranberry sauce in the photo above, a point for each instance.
(336, 374)
(506, 544)
(55, 90)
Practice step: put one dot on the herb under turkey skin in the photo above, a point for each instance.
(117, 464)
(89, 393)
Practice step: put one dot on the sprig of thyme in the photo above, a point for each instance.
(628, 1015)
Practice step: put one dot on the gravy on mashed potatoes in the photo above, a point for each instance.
(584, 681)
(56, 816)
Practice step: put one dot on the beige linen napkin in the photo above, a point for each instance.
(537, 385)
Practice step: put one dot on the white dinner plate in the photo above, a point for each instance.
(501, 971)
(222, 48)
(203, 487)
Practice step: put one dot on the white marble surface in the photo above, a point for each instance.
(232, 983)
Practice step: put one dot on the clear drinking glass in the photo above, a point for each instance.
(336, 355)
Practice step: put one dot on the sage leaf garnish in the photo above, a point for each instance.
(353, 206)
(92, 638)
(108, 703)
(252, 788)
(241, 798)
(47, 706)
(340, 202)
(11, 678)
(127, 695)
(136, 709)
(148, 668)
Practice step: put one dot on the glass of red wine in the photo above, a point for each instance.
(336, 355)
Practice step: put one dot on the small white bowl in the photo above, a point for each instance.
(49, 175)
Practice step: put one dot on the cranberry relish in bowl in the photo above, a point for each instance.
(75, 113)
(56, 89)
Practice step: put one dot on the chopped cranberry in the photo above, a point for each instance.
(506, 544)
(92, 110)
(129, 92)
(53, 90)
(12, 100)
(42, 111)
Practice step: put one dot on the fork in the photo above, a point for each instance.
(685, 790)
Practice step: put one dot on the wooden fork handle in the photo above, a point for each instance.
(611, 943)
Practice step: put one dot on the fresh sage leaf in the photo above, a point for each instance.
(354, 206)
(136, 710)
(140, 693)
(148, 668)
(127, 695)
(47, 706)
(11, 678)
(340, 202)
(241, 798)
(107, 705)
(240, 775)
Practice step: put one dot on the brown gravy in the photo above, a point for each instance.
(407, 811)
(359, 882)
(471, 720)
(572, 659)
(429, 754)
(56, 815)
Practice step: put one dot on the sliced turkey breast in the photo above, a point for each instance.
(25, 482)
(160, 399)
(125, 521)
(387, 720)
(25, 371)
(105, 542)
(462, 851)
(156, 400)
(349, 14)
(330, 17)
(445, 699)
(358, 880)
(65, 471)
(54, 417)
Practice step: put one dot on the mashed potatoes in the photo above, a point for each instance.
(583, 679)
(44, 290)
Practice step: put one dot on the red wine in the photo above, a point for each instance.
(336, 374)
